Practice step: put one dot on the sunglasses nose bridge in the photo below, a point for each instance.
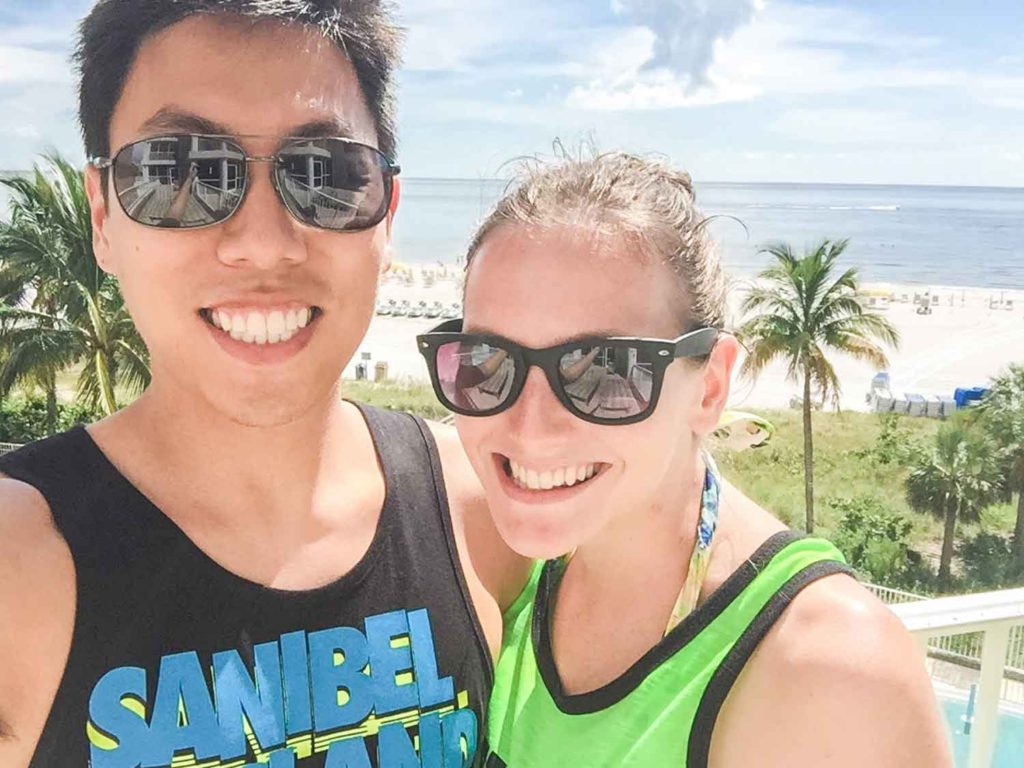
(537, 394)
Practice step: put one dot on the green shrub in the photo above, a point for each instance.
(23, 420)
(988, 561)
(876, 541)
(894, 445)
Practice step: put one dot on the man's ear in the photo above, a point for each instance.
(98, 213)
(717, 376)
(396, 194)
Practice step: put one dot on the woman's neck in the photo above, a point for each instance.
(656, 537)
(618, 591)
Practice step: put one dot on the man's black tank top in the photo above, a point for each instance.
(177, 662)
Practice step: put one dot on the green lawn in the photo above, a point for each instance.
(855, 457)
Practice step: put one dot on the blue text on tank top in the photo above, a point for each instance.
(327, 691)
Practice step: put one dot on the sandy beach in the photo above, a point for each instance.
(970, 335)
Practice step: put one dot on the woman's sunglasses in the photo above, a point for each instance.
(601, 380)
(189, 180)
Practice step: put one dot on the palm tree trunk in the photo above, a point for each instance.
(106, 387)
(1018, 534)
(51, 402)
(948, 537)
(808, 455)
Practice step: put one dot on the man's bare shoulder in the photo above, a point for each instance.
(37, 604)
(838, 681)
(502, 571)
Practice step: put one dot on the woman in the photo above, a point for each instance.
(673, 621)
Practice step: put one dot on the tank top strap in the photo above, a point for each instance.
(422, 537)
(758, 593)
(67, 470)
(405, 448)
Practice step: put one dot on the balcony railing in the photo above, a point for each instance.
(971, 637)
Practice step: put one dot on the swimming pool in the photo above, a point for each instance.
(1009, 751)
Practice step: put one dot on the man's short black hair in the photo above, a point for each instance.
(112, 33)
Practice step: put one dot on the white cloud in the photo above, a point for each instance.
(21, 64)
(687, 31)
(656, 90)
(850, 126)
(34, 36)
(786, 49)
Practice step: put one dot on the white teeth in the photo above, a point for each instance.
(258, 328)
(275, 327)
(546, 480)
(532, 480)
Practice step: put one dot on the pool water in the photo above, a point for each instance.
(1009, 751)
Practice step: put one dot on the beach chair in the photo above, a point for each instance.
(883, 403)
(948, 406)
(916, 404)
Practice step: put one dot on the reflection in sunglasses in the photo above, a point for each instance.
(480, 376)
(194, 180)
(607, 382)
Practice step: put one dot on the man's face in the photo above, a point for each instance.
(261, 266)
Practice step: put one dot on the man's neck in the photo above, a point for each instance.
(244, 467)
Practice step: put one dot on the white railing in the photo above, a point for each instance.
(8, 447)
(997, 618)
(965, 648)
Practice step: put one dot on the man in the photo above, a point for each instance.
(241, 566)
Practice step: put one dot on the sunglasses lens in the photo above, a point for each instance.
(474, 376)
(334, 184)
(179, 181)
(608, 382)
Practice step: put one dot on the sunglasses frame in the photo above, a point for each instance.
(696, 343)
(389, 171)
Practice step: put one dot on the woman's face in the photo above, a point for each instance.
(543, 287)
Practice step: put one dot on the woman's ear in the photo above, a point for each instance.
(716, 379)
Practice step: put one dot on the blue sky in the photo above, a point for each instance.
(913, 91)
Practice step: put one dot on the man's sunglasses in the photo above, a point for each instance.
(601, 380)
(190, 180)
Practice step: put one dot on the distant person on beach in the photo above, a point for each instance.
(241, 568)
(670, 621)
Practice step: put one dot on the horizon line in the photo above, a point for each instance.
(698, 182)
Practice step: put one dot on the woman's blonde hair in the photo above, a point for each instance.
(620, 195)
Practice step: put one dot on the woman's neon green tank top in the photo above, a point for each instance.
(662, 710)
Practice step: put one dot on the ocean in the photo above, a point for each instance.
(952, 236)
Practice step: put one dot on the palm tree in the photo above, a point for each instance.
(1003, 411)
(955, 481)
(60, 308)
(802, 311)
